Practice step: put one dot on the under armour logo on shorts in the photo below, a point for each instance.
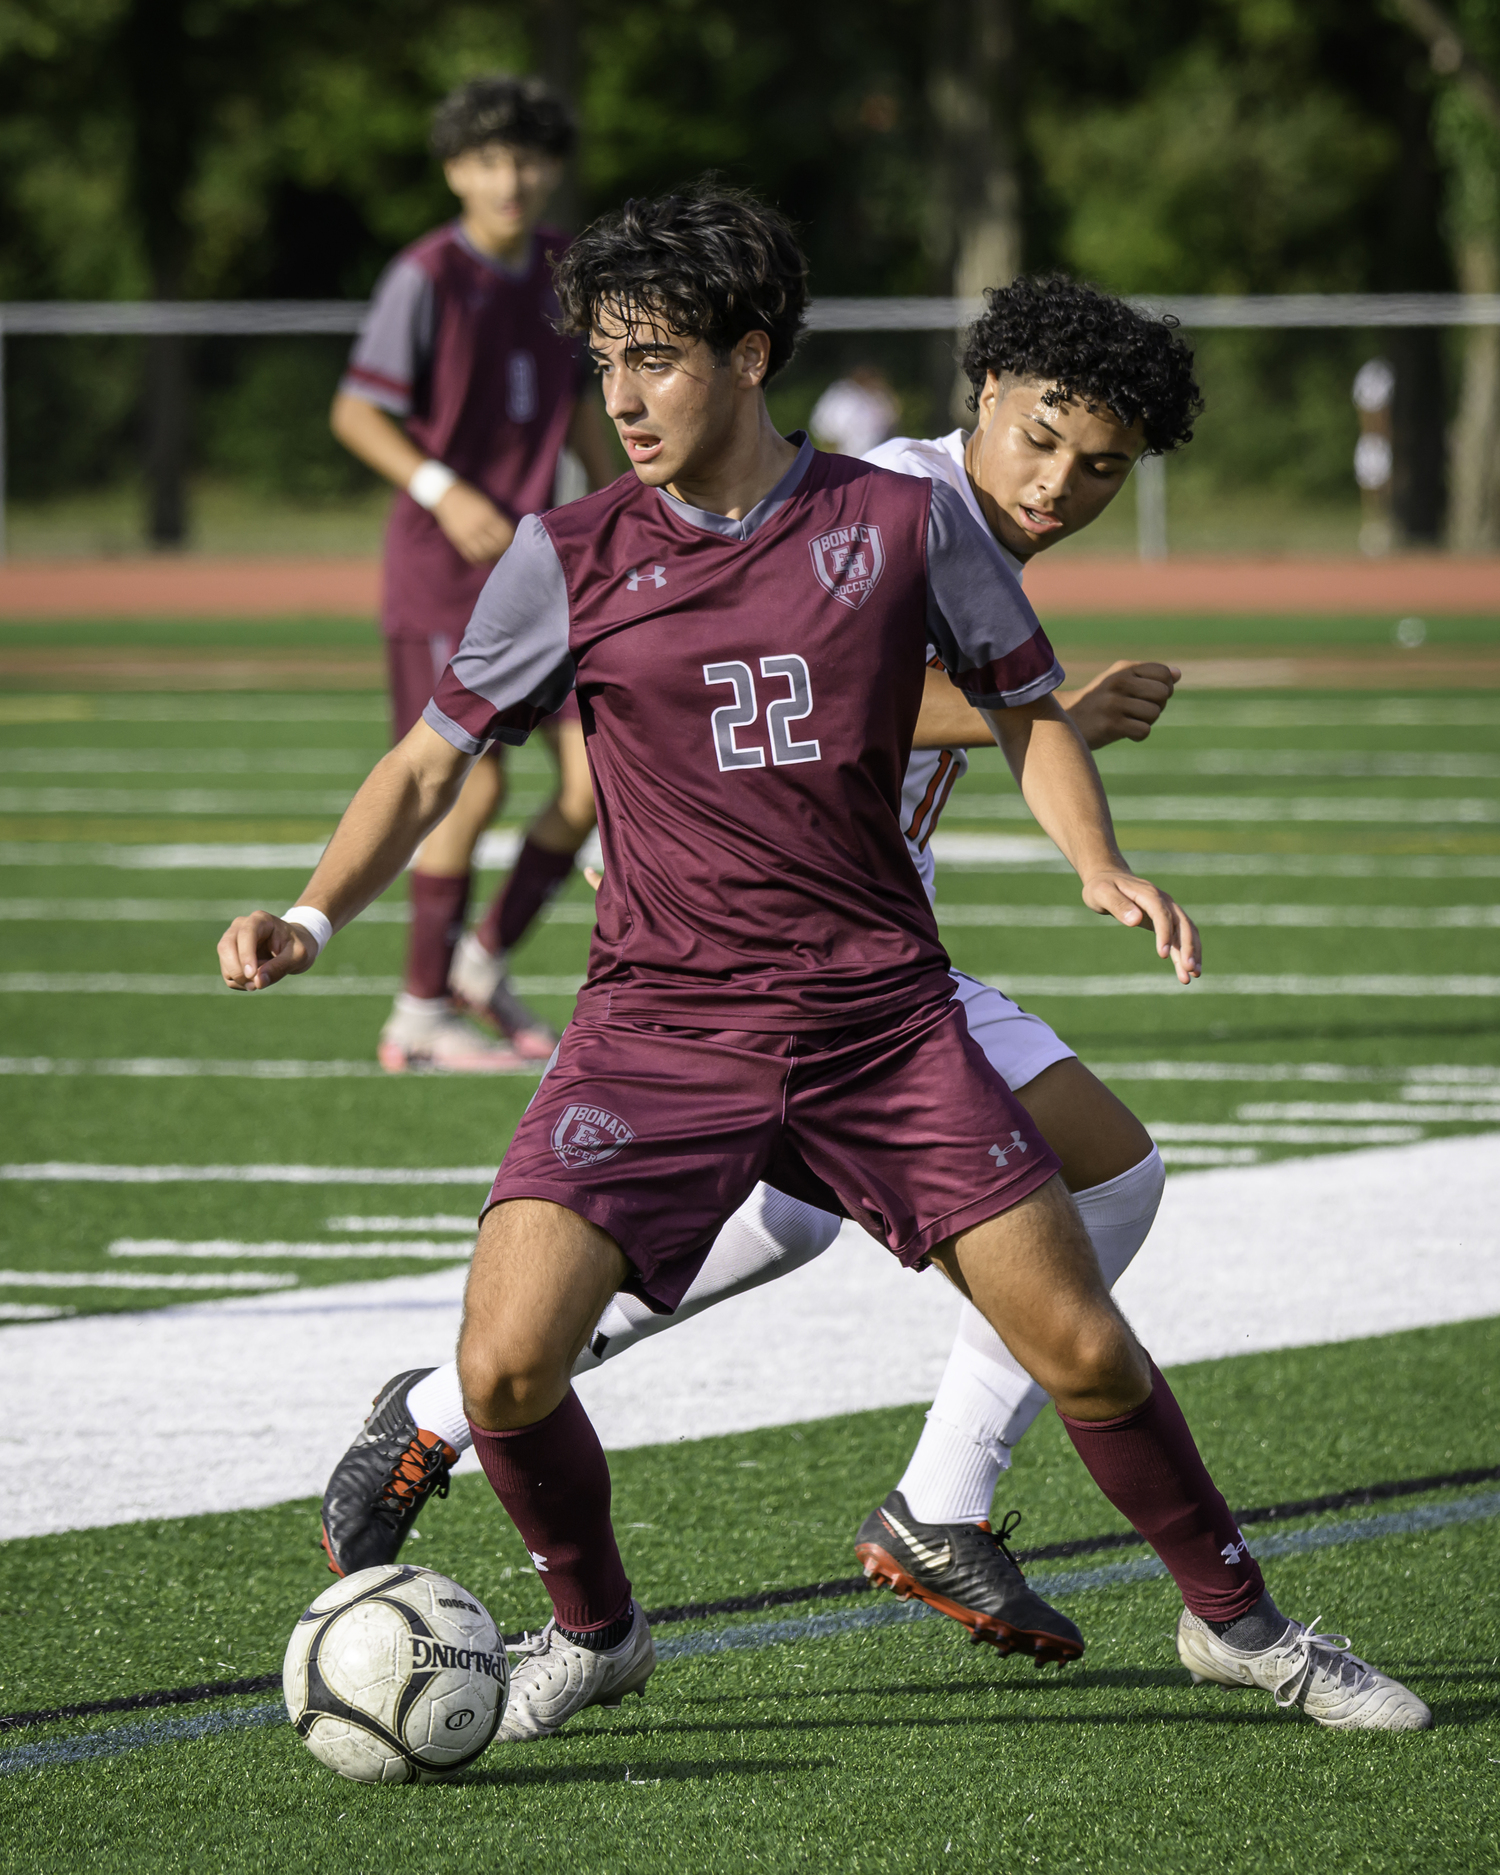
(1000, 1154)
(637, 578)
(586, 1136)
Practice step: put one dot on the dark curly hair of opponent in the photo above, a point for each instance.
(1095, 349)
(500, 108)
(711, 264)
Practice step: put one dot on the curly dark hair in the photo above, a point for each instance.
(500, 108)
(1091, 346)
(712, 264)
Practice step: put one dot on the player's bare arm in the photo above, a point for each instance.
(1057, 775)
(404, 796)
(1120, 704)
(468, 517)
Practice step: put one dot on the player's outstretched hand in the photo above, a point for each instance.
(1122, 703)
(1135, 902)
(474, 524)
(259, 950)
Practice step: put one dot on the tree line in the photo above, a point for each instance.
(238, 148)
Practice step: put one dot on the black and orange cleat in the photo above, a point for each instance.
(382, 1481)
(965, 1570)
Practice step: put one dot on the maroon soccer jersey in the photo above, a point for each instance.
(749, 691)
(463, 350)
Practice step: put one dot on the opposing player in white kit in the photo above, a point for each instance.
(1071, 387)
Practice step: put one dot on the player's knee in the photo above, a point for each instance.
(1102, 1362)
(505, 1384)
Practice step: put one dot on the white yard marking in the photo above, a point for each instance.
(32, 1312)
(274, 1387)
(996, 852)
(1393, 809)
(1234, 1133)
(1292, 917)
(1135, 983)
(1434, 1114)
(71, 1172)
(213, 910)
(226, 1248)
(1305, 764)
(121, 1279)
(1387, 712)
(260, 800)
(260, 764)
(498, 848)
(1442, 1076)
(441, 1220)
(170, 1068)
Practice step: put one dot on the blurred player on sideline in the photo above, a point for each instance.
(461, 392)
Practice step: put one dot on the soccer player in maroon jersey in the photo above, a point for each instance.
(462, 393)
(746, 624)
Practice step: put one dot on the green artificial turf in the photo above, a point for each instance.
(868, 1750)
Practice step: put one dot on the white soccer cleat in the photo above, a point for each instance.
(479, 980)
(1305, 1668)
(436, 1039)
(552, 1677)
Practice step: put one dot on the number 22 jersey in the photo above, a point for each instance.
(749, 689)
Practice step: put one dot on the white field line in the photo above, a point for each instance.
(87, 1172)
(1368, 1242)
(1210, 1155)
(1393, 810)
(441, 1220)
(261, 801)
(1297, 917)
(1295, 765)
(1436, 1083)
(260, 765)
(1443, 1077)
(1136, 983)
(1344, 713)
(169, 1068)
(120, 1279)
(94, 707)
(225, 1248)
(997, 852)
(497, 849)
(1364, 1110)
(32, 1312)
(146, 983)
(1229, 1133)
(218, 910)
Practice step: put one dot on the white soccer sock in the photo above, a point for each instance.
(437, 1405)
(769, 1236)
(986, 1400)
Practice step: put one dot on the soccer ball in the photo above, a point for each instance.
(395, 1675)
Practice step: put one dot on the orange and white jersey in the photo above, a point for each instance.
(932, 774)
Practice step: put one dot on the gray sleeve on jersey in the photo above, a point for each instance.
(977, 616)
(513, 666)
(395, 342)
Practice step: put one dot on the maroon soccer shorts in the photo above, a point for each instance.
(657, 1133)
(413, 667)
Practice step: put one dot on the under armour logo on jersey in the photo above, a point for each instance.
(1232, 1552)
(1001, 1154)
(638, 577)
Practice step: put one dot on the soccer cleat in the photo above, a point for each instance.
(552, 1677)
(382, 1481)
(1304, 1668)
(478, 979)
(439, 1041)
(965, 1570)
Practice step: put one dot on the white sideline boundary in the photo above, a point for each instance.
(234, 1404)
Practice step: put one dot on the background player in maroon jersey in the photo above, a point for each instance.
(462, 393)
(767, 993)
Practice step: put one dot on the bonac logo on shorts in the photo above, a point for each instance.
(849, 561)
(589, 1135)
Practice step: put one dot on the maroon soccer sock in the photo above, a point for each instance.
(1148, 1466)
(553, 1480)
(534, 879)
(438, 908)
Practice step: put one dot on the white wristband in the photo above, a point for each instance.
(430, 481)
(314, 922)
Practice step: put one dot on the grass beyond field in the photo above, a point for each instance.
(893, 1747)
